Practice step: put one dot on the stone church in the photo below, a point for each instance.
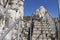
(15, 26)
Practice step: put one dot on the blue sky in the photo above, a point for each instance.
(31, 5)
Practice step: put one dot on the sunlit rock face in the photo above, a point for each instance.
(16, 9)
(43, 17)
(11, 10)
(41, 11)
(44, 26)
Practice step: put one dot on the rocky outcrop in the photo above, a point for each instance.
(44, 25)
(11, 10)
